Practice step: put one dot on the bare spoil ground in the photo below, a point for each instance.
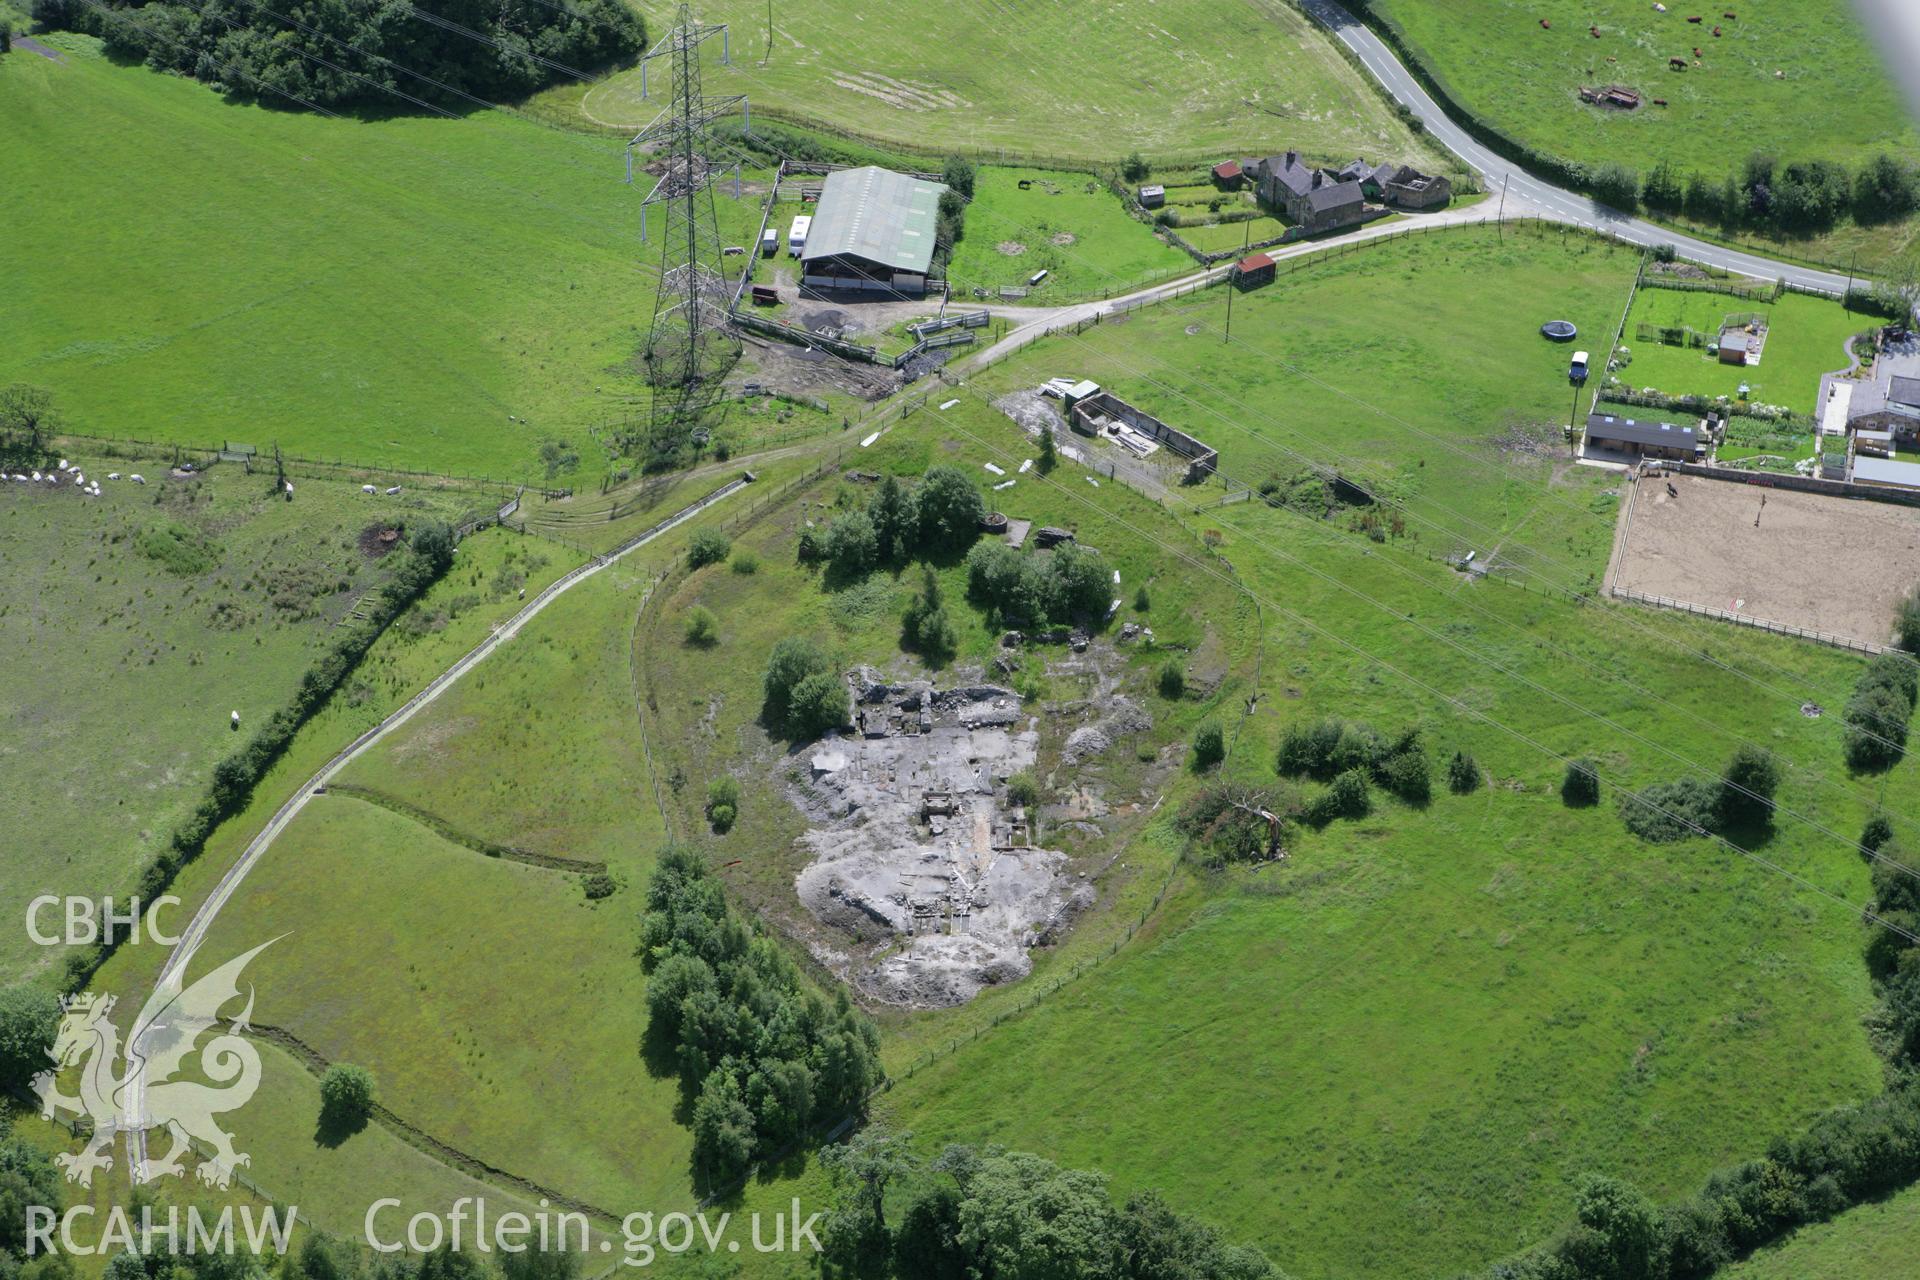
(1828, 564)
(927, 882)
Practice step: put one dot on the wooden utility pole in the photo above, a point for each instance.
(1246, 240)
(1502, 219)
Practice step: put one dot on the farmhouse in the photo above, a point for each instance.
(873, 230)
(1643, 439)
(1313, 199)
(1890, 401)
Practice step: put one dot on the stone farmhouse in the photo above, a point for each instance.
(1318, 200)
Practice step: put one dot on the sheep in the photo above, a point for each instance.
(235, 721)
(366, 488)
(138, 479)
(113, 475)
(63, 464)
(36, 477)
(395, 489)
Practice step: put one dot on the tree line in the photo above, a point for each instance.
(975, 1212)
(763, 1058)
(342, 54)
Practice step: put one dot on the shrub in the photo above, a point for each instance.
(1875, 735)
(702, 628)
(746, 563)
(1226, 823)
(793, 659)
(1134, 167)
(1670, 811)
(709, 546)
(1408, 774)
(1746, 789)
(1209, 746)
(958, 176)
(950, 509)
(1049, 451)
(1141, 601)
(820, 703)
(852, 547)
(597, 886)
(346, 1096)
(29, 1018)
(1463, 774)
(1581, 785)
(1023, 790)
(723, 803)
(1173, 680)
(1347, 796)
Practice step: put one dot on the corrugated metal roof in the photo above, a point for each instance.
(1604, 426)
(876, 214)
(1886, 471)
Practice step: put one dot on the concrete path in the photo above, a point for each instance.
(172, 975)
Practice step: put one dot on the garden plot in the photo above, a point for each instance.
(1802, 560)
(919, 853)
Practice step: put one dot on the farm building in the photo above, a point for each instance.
(1254, 270)
(1227, 174)
(1886, 473)
(873, 230)
(1405, 187)
(1735, 345)
(1152, 197)
(1643, 439)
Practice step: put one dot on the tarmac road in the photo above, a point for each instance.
(1533, 194)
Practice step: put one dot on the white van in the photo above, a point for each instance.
(769, 243)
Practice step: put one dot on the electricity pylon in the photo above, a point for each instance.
(691, 344)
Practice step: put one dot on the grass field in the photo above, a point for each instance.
(1806, 337)
(445, 295)
(148, 615)
(1879, 1239)
(1497, 60)
(1085, 80)
(1067, 224)
(1396, 1054)
(539, 749)
(1347, 363)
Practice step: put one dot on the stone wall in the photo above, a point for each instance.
(1201, 458)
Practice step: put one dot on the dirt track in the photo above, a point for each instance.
(1838, 565)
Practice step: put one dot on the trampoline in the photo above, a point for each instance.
(1559, 330)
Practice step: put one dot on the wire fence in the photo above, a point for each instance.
(1747, 620)
(205, 455)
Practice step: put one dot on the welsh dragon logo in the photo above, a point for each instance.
(149, 1093)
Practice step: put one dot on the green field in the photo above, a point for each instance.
(1069, 225)
(1880, 1239)
(150, 614)
(1348, 362)
(415, 292)
(1496, 60)
(1396, 1054)
(1180, 78)
(1806, 337)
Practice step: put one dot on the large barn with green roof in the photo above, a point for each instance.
(873, 231)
